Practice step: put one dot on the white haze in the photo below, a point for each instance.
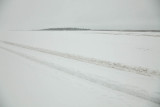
(95, 14)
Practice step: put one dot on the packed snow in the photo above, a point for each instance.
(79, 69)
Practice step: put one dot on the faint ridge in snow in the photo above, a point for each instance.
(133, 33)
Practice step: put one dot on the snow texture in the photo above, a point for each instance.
(80, 69)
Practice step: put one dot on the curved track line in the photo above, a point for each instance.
(119, 66)
(140, 94)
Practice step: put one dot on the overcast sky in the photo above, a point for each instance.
(96, 14)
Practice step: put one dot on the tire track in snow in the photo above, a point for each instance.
(108, 84)
(119, 66)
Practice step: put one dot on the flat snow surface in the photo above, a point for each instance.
(79, 69)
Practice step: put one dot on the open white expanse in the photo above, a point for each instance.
(94, 14)
(79, 69)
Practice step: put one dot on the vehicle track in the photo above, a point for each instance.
(108, 84)
(108, 64)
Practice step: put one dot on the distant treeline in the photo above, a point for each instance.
(82, 29)
(67, 28)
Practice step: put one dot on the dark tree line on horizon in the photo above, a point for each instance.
(66, 28)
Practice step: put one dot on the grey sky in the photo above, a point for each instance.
(98, 14)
